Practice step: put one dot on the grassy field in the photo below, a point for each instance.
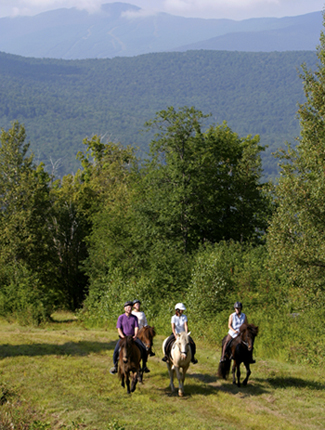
(57, 377)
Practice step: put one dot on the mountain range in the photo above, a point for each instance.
(120, 29)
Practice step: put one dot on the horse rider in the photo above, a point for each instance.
(142, 320)
(179, 323)
(127, 325)
(236, 319)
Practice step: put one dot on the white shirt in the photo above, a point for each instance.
(179, 322)
(142, 320)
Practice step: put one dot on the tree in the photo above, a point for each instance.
(201, 186)
(296, 237)
(27, 259)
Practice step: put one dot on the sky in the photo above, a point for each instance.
(231, 9)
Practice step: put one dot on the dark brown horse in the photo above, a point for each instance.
(146, 335)
(129, 361)
(240, 351)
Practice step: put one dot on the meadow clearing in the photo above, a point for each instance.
(57, 377)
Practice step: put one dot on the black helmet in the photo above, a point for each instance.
(238, 305)
(129, 303)
(136, 301)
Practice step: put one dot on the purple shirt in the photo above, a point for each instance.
(127, 324)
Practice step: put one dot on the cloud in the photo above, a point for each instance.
(233, 9)
(241, 9)
(134, 14)
(33, 7)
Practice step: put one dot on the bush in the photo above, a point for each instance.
(23, 297)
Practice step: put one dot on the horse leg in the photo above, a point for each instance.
(180, 381)
(134, 381)
(128, 381)
(238, 375)
(183, 379)
(122, 380)
(171, 377)
(234, 373)
(248, 372)
(236, 366)
(140, 375)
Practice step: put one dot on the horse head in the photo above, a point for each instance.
(146, 335)
(183, 343)
(126, 345)
(248, 332)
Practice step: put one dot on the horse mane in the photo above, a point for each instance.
(125, 342)
(253, 329)
(151, 330)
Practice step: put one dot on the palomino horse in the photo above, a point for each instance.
(146, 335)
(240, 351)
(180, 357)
(129, 361)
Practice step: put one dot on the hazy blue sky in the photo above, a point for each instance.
(233, 9)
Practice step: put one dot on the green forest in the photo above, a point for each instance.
(190, 221)
(62, 102)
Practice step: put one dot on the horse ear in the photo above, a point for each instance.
(188, 333)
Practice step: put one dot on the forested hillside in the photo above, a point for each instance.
(62, 102)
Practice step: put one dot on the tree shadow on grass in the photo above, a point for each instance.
(287, 382)
(82, 348)
(251, 389)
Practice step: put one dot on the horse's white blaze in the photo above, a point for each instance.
(180, 359)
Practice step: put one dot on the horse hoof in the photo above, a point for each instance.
(180, 393)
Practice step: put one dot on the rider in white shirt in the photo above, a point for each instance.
(236, 319)
(179, 323)
(142, 320)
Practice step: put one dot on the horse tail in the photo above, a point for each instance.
(224, 368)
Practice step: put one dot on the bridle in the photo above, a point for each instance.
(246, 344)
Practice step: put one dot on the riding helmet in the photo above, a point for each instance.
(238, 305)
(129, 303)
(136, 301)
(180, 306)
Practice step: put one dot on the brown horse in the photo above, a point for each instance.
(129, 361)
(240, 351)
(146, 335)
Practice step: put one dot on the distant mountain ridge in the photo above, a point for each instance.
(121, 29)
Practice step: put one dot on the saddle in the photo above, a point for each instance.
(168, 346)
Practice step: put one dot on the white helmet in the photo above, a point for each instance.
(180, 306)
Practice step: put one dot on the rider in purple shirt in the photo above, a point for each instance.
(127, 325)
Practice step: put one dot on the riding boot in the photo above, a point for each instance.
(151, 354)
(113, 370)
(165, 359)
(144, 367)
